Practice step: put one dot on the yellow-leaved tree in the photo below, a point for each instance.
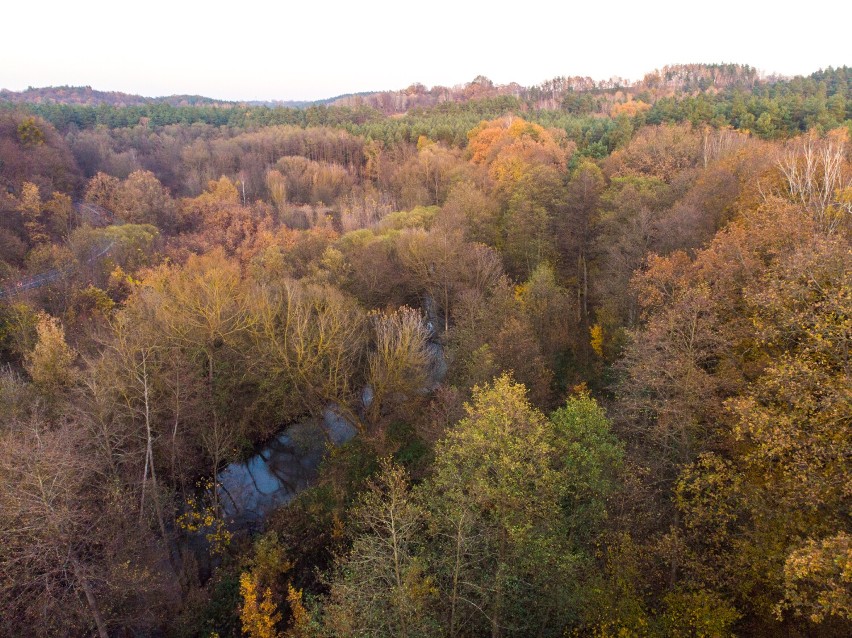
(49, 363)
(258, 614)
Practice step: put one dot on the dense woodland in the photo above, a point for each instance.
(643, 293)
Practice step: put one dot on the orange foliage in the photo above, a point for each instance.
(630, 109)
(510, 145)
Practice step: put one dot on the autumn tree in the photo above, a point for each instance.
(534, 203)
(749, 385)
(575, 230)
(661, 152)
(526, 163)
(71, 558)
(31, 211)
(142, 199)
(551, 313)
(493, 335)
(399, 361)
(509, 144)
(44, 220)
(43, 522)
(468, 206)
(200, 314)
(103, 190)
(310, 340)
(50, 361)
(497, 492)
(431, 259)
(381, 588)
(817, 173)
(34, 151)
(258, 615)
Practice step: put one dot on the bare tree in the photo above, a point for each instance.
(381, 588)
(46, 525)
(817, 174)
(399, 363)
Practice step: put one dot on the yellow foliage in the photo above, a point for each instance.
(300, 622)
(269, 561)
(30, 200)
(630, 109)
(49, 363)
(597, 339)
(201, 517)
(31, 210)
(818, 579)
(581, 390)
(698, 614)
(221, 193)
(258, 614)
(29, 132)
(423, 142)
(481, 139)
(337, 529)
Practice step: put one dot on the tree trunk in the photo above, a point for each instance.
(90, 597)
(496, 629)
(456, 569)
(400, 585)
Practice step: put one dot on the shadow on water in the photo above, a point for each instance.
(250, 490)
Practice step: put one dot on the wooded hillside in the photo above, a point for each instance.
(593, 338)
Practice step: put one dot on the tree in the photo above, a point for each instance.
(589, 459)
(399, 363)
(310, 339)
(550, 311)
(137, 360)
(658, 151)
(534, 202)
(380, 588)
(669, 377)
(817, 579)
(103, 190)
(49, 363)
(258, 614)
(443, 267)
(583, 195)
(43, 523)
(817, 172)
(794, 420)
(626, 231)
(497, 492)
(98, 251)
(33, 151)
(432, 259)
(31, 211)
(200, 313)
(142, 199)
(509, 145)
(736, 398)
(71, 560)
(495, 335)
(469, 207)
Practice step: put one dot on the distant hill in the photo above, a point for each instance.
(87, 96)
(567, 93)
(302, 104)
(678, 78)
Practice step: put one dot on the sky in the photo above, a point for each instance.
(286, 50)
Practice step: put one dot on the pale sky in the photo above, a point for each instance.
(281, 49)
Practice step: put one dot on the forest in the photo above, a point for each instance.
(563, 360)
